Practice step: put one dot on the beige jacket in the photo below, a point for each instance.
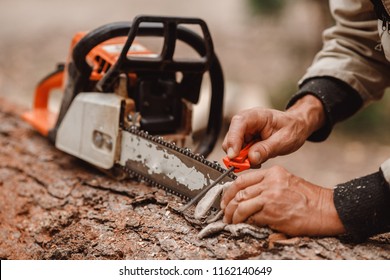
(357, 51)
(352, 49)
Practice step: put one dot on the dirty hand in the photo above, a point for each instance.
(279, 132)
(282, 201)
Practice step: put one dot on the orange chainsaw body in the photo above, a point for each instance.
(101, 58)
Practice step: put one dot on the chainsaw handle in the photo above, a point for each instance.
(169, 28)
(40, 117)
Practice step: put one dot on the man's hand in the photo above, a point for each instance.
(282, 201)
(279, 132)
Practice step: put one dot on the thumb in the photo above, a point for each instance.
(263, 150)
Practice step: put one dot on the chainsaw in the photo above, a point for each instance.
(128, 110)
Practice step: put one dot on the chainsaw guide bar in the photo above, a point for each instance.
(167, 166)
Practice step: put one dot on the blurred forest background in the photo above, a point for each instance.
(264, 47)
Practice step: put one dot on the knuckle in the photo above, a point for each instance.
(237, 118)
(278, 170)
(238, 196)
(232, 138)
(275, 194)
(241, 195)
(237, 122)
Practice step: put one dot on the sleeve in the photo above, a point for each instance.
(363, 204)
(349, 71)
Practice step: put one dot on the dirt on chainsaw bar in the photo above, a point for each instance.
(54, 206)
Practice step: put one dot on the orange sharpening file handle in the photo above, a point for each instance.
(241, 162)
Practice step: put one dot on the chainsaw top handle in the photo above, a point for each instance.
(171, 29)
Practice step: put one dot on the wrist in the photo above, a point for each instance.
(330, 221)
(309, 111)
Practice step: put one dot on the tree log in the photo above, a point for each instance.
(55, 206)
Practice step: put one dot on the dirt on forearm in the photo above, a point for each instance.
(54, 206)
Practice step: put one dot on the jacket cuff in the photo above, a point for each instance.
(340, 101)
(363, 206)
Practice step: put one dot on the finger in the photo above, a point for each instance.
(247, 208)
(249, 192)
(243, 181)
(229, 211)
(257, 219)
(234, 138)
(224, 143)
(242, 128)
(242, 195)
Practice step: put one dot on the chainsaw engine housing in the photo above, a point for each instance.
(110, 66)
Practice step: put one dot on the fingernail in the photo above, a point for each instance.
(231, 153)
(256, 158)
(224, 220)
(223, 205)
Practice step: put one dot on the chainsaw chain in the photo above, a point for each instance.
(172, 146)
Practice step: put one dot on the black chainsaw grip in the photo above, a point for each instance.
(81, 70)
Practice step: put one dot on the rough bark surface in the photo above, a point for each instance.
(54, 206)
